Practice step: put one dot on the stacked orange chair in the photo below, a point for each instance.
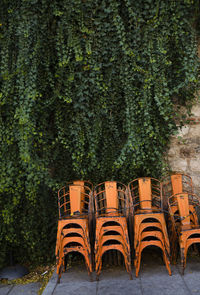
(186, 228)
(75, 214)
(174, 184)
(145, 195)
(183, 205)
(171, 185)
(111, 206)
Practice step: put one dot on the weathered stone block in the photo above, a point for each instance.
(184, 151)
(194, 131)
(195, 165)
(178, 164)
(184, 131)
(197, 150)
(173, 151)
(196, 110)
(187, 152)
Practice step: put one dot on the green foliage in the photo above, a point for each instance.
(87, 90)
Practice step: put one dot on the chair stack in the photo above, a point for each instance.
(145, 195)
(183, 205)
(111, 222)
(75, 211)
(93, 222)
(171, 185)
(175, 183)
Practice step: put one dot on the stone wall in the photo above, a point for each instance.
(184, 152)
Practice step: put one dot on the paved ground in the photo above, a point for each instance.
(29, 289)
(153, 280)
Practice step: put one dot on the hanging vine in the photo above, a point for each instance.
(87, 90)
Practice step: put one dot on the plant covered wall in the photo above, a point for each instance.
(87, 90)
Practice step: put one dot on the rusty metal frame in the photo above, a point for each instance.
(174, 184)
(111, 213)
(75, 217)
(171, 185)
(146, 209)
(184, 224)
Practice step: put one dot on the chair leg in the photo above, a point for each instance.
(137, 263)
(60, 272)
(129, 271)
(182, 252)
(167, 262)
(98, 271)
(127, 262)
(98, 265)
(88, 264)
(174, 255)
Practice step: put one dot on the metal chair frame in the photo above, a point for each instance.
(145, 195)
(111, 208)
(185, 224)
(75, 217)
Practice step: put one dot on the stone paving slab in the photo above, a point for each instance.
(75, 273)
(76, 288)
(75, 281)
(4, 290)
(28, 289)
(192, 275)
(115, 281)
(153, 280)
(157, 281)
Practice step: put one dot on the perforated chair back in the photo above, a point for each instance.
(74, 199)
(145, 193)
(187, 205)
(177, 183)
(183, 207)
(110, 199)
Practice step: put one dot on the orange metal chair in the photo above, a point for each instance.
(145, 195)
(186, 229)
(174, 184)
(111, 207)
(171, 185)
(75, 216)
(178, 183)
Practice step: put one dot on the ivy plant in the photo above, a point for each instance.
(88, 90)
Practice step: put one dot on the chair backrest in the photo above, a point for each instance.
(82, 184)
(74, 198)
(145, 193)
(183, 207)
(177, 183)
(110, 198)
